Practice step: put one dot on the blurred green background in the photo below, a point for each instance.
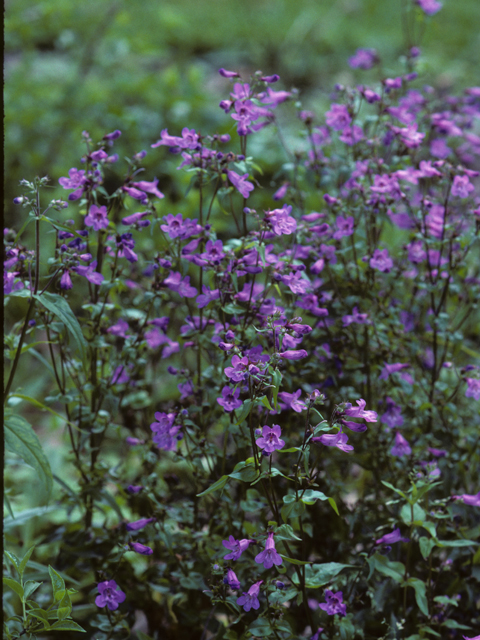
(143, 66)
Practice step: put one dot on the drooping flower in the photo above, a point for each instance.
(334, 603)
(139, 524)
(359, 412)
(269, 556)
(110, 595)
(338, 440)
(292, 354)
(249, 600)
(292, 400)
(391, 538)
(401, 446)
(231, 579)
(241, 183)
(270, 440)
(140, 548)
(237, 547)
(472, 500)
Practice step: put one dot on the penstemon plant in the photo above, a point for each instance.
(272, 416)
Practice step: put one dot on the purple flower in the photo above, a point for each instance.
(250, 600)
(138, 547)
(120, 328)
(239, 369)
(393, 415)
(344, 227)
(391, 538)
(338, 440)
(461, 186)
(89, 272)
(237, 547)
(241, 183)
(381, 261)
(473, 388)
(338, 117)
(97, 217)
(355, 318)
(229, 400)
(270, 440)
(231, 579)
(334, 603)
(134, 488)
(228, 74)
(149, 187)
(112, 136)
(292, 354)
(401, 447)
(164, 431)
(182, 286)
(430, 7)
(139, 524)
(281, 221)
(363, 59)
(292, 400)
(204, 299)
(65, 280)
(280, 193)
(359, 412)
(388, 369)
(109, 595)
(269, 556)
(472, 500)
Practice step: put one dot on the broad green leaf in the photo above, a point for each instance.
(58, 584)
(245, 472)
(60, 307)
(395, 570)
(265, 402)
(14, 586)
(66, 625)
(40, 614)
(219, 484)
(40, 405)
(418, 514)
(64, 607)
(453, 624)
(333, 504)
(456, 543)
(426, 546)
(285, 532)
(420, 596)
(25, 559)
(310, 496)
(13, 559)
(318, 575)
(30, 587)
(22, 440)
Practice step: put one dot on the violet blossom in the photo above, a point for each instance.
(269, 556)
(363, 59)
(472, 500)
(250, 600)
(237, 547)
(401, 447)
(110, 595)
(391, 538)
(270, 440)
(473, 388)
(334, 603)
(97, 217)
(232, 580)
(230, 399)
(241, 183)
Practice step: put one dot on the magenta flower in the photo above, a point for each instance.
(231, 579)
(164, 431)
(208, 295)
(338, 117)
(344, 227)
(473, 388)
(338, 440)
(363, 59)
(391, 538)
(241, 183)
(388, 369)
(269, 556)
(139, 524)
(97, 217)
(140, 548)
(359, 412)
(270, 440)
(334, 603)
(472, 500)
(292, 400)
(401, 447)
(281, 221)
(462, 186)
(65, 281)
(239, 369)
(293, 354)
(237, 547)
(229, 400)
(430, 7)
(393, 415)
(109, 595)
(250, 600)
(381, 261)
(149, 187)
(182, 286)
(228, 74)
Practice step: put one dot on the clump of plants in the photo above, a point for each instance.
(272, 409)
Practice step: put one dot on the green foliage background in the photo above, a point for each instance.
(144, 66)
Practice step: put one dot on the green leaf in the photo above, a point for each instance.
(333, 504)
(276, 380)
(13, 559)
(66, 625)
(22, 440)
(426, 546)
(265, 402)
(60, 307)
(29, 587)
(58, 584)
(310, 496)
(318, 575)
(245, 472)
(14, 586)
(40, 405)
(285, 532)
(24, 561)
(445, 600)
(8, 505)
(64, 607)
(395, 570)
(456, 543)
(390, 486)
(452, 624)
(418, 514)
(293, 560)
(219, 484)
(25, 516)
(244, 411)
(40, 614)
(420, 596)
